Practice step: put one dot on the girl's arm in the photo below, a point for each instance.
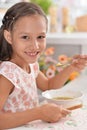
(11, 120)
(56, 82)
(78, 64)
(46, 112)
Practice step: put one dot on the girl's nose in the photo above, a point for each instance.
(34, 45)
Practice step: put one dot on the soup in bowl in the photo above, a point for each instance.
(67, 98)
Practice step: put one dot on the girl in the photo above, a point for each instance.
(22, 40)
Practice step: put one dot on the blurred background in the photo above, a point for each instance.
(63, 15)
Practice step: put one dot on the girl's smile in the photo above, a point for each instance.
(32, 54)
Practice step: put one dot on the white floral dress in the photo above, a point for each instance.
(24, 95)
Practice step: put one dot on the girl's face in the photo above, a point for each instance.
(28, 38)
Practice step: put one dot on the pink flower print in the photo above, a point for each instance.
(27, 103)
(35, 103)
(32, 80)
(10, 75)
(13, 100)
(22, 92)
(35, 67)
(13, 66)
(30, 98)
(29, 84)
(18, 81)
(25, 97)
(25, 79)
(8, 105)
(19, 96)
(6, 69)
(17, 104)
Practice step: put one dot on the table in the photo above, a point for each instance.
(77, 120)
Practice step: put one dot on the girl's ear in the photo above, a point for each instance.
(7, 36)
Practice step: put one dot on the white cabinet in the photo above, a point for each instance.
(69, 39)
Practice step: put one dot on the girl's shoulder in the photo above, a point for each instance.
(8, 70)
(7, 66)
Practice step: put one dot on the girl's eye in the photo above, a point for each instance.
(25, 37)
(41, 37)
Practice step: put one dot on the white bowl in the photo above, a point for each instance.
(67, 98)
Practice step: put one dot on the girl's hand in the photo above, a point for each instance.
(52, 112)
(79, 62)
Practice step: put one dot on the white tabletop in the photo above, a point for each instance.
(77, 120)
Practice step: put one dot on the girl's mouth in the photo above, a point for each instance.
(32, 54)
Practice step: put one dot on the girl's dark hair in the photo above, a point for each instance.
(12, 15)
